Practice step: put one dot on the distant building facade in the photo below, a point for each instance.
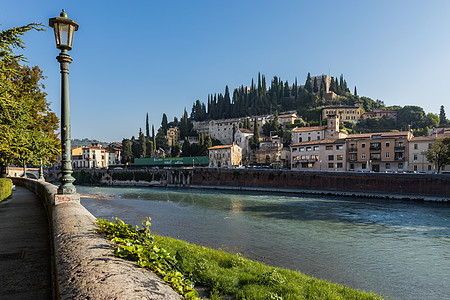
(225, 156)
(380, 113)
(345, 112)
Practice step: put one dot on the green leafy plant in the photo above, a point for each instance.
(137, 244)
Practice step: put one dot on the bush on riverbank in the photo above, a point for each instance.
(86, 178)
(224, 274)
(5, 188)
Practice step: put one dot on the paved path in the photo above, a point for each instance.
(24, 248)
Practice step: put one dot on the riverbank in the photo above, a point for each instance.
(221, 273)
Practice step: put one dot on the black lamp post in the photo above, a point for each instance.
(64, 29)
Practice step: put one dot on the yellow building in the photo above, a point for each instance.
(173, 136)
(346, 113)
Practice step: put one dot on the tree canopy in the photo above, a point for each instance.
(439, 153)
(27, 125)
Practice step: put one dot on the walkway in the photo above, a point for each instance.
(25, 248)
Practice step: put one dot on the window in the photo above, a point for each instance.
(339, 147)
(363, 165)
(363, 145)
(388, 165)
(388, 144)
(300, 139)
(339, 157)
(352, 166)
(330, 157)
(363, 155)
(316, 148)
(294, 149)
(415, 167)
(429, 167)
(415, 156)
(308, 148)
(387, 155)
(339, 165)
(416, 146)
(429, 146)
(309, 138)
(400, 165)
(318, 137)
(329, 147)
(330, 165)
(302, 149)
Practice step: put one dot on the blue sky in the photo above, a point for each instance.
(134, 57)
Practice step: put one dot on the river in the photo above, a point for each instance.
(398, 248)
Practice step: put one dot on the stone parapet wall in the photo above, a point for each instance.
(83, 263)
(415, 185)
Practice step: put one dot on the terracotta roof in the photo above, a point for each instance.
(220, 147)
(430, 138)
(340, 106)
(313, 128)
(383, 134)
(244, 130)
(320, 142)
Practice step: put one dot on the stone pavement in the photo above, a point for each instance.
(25, 268)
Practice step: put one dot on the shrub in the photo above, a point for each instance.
(5, 188)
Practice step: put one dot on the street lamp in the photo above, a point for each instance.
(64, 29)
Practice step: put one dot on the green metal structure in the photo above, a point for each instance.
(173, 161)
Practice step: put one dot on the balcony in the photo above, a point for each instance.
(375, 148)
(399, 148)
(352, 159)
(399, 158)
(352, 150)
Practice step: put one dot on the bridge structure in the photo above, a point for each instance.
(18, 172)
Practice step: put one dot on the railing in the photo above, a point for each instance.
(352, 150)
(399, 158)
(399, 148)
(377, 148)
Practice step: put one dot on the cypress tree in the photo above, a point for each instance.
(147, 128)
(355, 93)
(153, 137)
(308, 83)
(142, 144)
(315, 86)
(442, 117)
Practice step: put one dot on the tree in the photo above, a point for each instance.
(142, 145)
(164, 123)
(27, 125)
(308, 83)
(442, 118)
(186, 149)
(355, 92)
(127, 155)
(147, 128)
(315, 86)
(439, 153)
(175, 150)
(153, 137)
(254, 141)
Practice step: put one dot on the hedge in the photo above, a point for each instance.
(5, 188)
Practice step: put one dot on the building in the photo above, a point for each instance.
(286, 119)
(319, 155)
(269, 151)
(173, 136)
(225, 156)
(242, 138)
(91, 157)
(378, 152)
(345, 112)
(379, 113)
(314, 133)
(115, 153)
(222, 130)
(417, 160)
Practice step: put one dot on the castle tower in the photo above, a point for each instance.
(332, 131)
